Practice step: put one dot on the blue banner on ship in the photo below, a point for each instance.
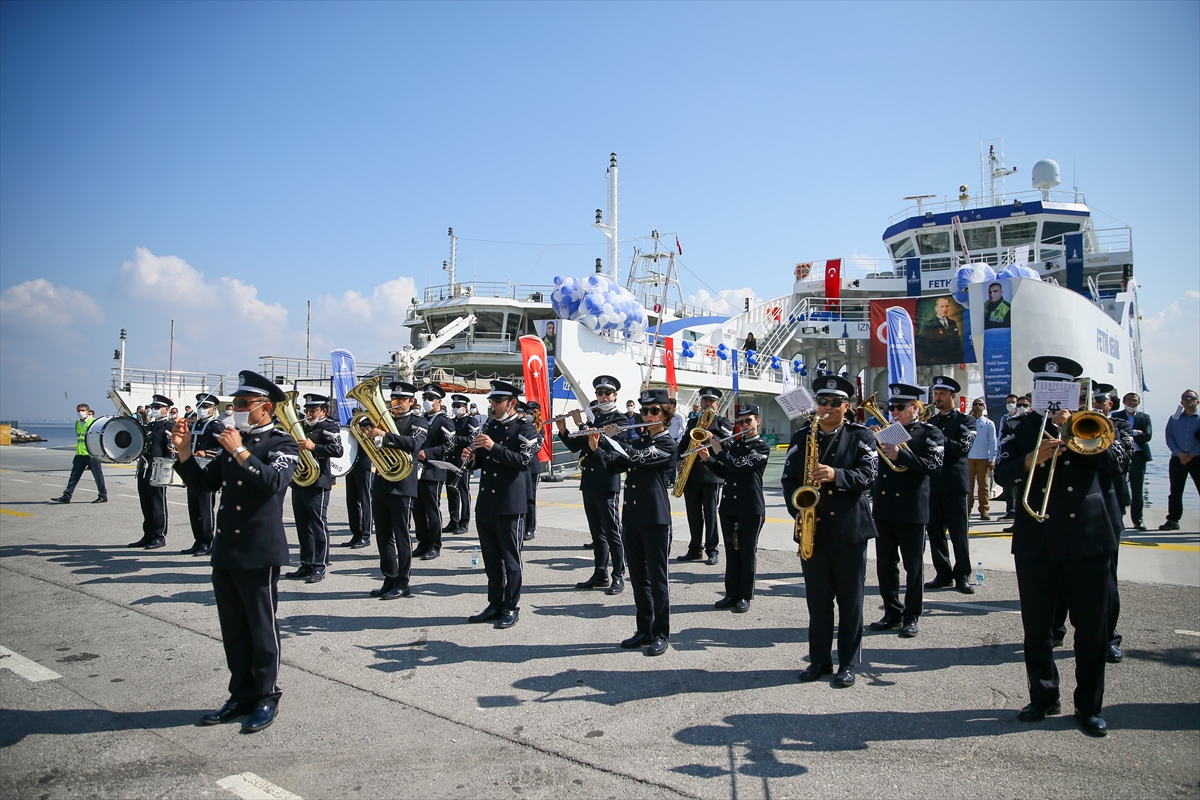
(343, 381)
(1073, 242)
(997, 346)
(912, 275)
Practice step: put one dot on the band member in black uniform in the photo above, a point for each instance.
(1067, 555)
(949, 488)
(601, 490)
(844, 473)
(391, 501)
(702, 491)
(310, 504)
(154, 498)
(458, 487)
(252, 472)
(205, 428)
(1143, 432)
(532, 411)
(358, 496)
(741, 465)
(900, 506)
(646, 517)
(427, 511)
(502, 451)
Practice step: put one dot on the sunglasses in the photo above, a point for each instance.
(653, 411)
(605, 393)
(241, 405)
(744, 420)
(829, 401)
(898, 406)
(1022, 405)
(977, 405)
(495, 400)
(1188, 397)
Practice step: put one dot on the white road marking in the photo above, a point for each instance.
(130, 496)
(1188, 633)
(249, 786)
(18, 480)
(55, 485)
(29, 670)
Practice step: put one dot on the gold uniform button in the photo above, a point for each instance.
(1070, 488)
(239, 508)
(1072, 516)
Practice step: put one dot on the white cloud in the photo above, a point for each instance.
(34, 306)
(1171, 353)
(727, 301)
(370, 327)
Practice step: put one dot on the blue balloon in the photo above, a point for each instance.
(776, 362)
(797, 365)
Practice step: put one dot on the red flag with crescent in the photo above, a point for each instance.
(833, 283)
(537, 385)
(669, 360)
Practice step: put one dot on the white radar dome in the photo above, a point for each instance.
(1045, 174)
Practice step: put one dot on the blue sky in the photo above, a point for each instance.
(224, 163)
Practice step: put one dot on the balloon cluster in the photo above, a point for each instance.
(687, 349)
(971, 273)
(598, 303)
(1019, 271)
(723, 351)
(752, 358)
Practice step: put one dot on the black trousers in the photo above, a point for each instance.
(700, 500)
(741, 553)
(391, 534)
(200, 514)
(458, 499)
(358, 502)
(604, 522)
(531, 487)
(1084, 583)
(1177, 473)
(153, 500)
(835, 574)
(948, 510)
(310, 506)
(648, 548)
(78, 465)
(898, 543)
(500, 545)
(247, 600)
(1114, 608)
(427, 515)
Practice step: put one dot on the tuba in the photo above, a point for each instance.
(392, 465)
(806, 497)
(697, 437)
(308, 470)
(871, 408)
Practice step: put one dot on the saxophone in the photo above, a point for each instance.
(308, 470)
(392, 465)
(697, 437)
(805, 498)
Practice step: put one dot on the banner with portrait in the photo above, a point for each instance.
(997, 345)
(943, 332)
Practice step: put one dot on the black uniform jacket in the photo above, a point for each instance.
(439, 445)
(536, 466)
(466, 428)
(650, 464)
(1079, 521)
(410, 438)
(327, 440)
(903, 497)
(741, 464)
(502, 469)
(1140, 422)
(958, 431)
(249, 531)
(594, 477)
(843, 515)
(702, 472)
(204, 440)
(158, 445)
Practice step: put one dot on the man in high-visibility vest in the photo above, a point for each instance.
(82, 460)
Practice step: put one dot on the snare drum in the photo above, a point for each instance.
(162, 473)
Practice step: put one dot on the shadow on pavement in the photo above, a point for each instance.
(19, 723)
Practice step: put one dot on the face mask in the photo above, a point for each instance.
(203, 413)
(427, 406)
(1011, 408)
(241, 420)
(460, 412)
(606, 407)
(83, 415)
(153, 414)
(1131, 410)
(229, 411)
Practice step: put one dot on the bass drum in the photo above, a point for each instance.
(115, 440)
(340, 467)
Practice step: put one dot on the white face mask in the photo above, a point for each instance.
(1011, 408)
(606, 407)
(153, 414)
(83, 415)
(460, 412)
(229, 411)
(1131, 410)
(427, 406)
(241, 420)
(203, 413)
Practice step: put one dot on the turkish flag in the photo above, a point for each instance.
(669, 360)
(537, 384)
(833, 282)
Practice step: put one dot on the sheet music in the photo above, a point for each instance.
(613, 444)
(895, 435)
(796, 402)
(1054, 396)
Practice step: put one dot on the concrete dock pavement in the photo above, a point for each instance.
(404, 698)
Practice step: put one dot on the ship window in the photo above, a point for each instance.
(977, 238)
(929, 264)
(903, 248)
(1049, 253)
(488, 325)
(514, 325)
(934, 242)
(1016, 233)
(1051, 230)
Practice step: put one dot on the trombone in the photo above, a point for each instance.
(871, 408)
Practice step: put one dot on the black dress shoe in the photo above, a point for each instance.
(618, 585)
(1009, 529)
(191, 550)
(589, 545)
(527, 536)
(1138, 526)
(463, 529)
(940, 583)
(105, 500)
(1035, 713)
(262, 717)
(1114, 655)
(431, 554)
(598, 581)
(299, 574)
(909, 629)
(388, 583)
(349, 543)
(1058, 641)
(508, 618)
(451, 528)
(396, 592)
(142, 542)
(231, 709)
(62, 500)
(963, 586)
(741, 607)
(1169, 526)
(658, 646)
(419, 551)
(203, 551)
(155, 544)
(690, 557)
(814, 672)
(637, 640)
(885, 624)
(359, 544)
(844, 677)
(712, 559)
(487, 615)
(1093, 724)
(725, 602)
(317, 576)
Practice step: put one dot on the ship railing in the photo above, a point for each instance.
(852, 268)
(705, 362)
(496, 289)
(947, 204)
(173, 383)
(285, 370)
(1112, 240)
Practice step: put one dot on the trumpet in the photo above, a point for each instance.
(1086, 433)
(871, 408)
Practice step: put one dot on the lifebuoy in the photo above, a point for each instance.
(773, 313)
(710, 351)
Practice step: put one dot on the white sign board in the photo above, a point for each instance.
(1055, 396)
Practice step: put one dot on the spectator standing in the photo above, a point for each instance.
(981, 460)
(678, 423)
(1183, 428)
(1143, 432)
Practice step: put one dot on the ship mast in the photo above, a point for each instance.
(610, 227)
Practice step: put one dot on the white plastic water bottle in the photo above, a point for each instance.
(979, 574)
(475, 558)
